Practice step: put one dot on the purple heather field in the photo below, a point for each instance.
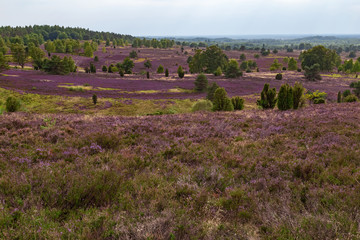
(249, 174)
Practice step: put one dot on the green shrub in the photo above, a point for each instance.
(121, 72)
(180, 72)
(278, 76)
(299, 69)
(238, 103)
(351, 98)
(160, 69)
(201, 83)
(284, 68)
(268, 97)
(218, 71)
(202, 105)
(356, 86)
(285, 97)
(292, 65)
(12, 104)
(346, 93)
(147, 75)
(166, 72)
(319, 101)
(221, 101)
(316, 97)
(96, 59)
(298, 95)
(312, 73)
(133, 54)
(275, 65)
(104, 68)
(114, 69)
(233, 69)
(110, 68)
(339, 97)
(92, 68)
(211, 91)
(94, 99)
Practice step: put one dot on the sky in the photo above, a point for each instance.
(189, 17)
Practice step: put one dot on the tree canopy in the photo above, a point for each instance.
(208, 60)
(326, 58)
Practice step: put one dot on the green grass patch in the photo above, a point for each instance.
(35, 103)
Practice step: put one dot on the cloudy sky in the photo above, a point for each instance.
(190, 17)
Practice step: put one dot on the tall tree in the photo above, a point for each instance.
(326, 58)
(3, 63)
(292, 65)
(233, 70)
(37, 56)
(147, 64)
(3, 48)
(19, 54)
(275, 65)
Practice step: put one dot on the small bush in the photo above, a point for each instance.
(160, 69)
(218, 72)
(12, 104)
(268, 97)
(201, 83)
(316, 97)
(133, 54)
(104, 68)
(278, 76)
(121, 72)
(96, 58)
(312, 73)
(319, 101)
(339, 97)
(299, 69)
(346, 93)
(351, 98)
(356, 87)
(285, 97)
(233, 69)
(94, 99)
(211, 91)
(147, 75)
(202, 105)
(92, 68)
(180, 72)
(166, 72)
(221, 101)
(284, 68)
(298, 95)
(238, 103)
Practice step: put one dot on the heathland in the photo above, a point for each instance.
(107, 136)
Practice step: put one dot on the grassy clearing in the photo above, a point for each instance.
(35, 103)
(139, 60)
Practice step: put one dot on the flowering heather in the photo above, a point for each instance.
(244, 175)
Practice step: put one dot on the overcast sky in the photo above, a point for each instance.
(189, 17)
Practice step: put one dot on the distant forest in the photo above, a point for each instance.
(47, 32)
(40, 34)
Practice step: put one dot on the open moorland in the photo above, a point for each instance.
(116, 92)
(105, 156)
